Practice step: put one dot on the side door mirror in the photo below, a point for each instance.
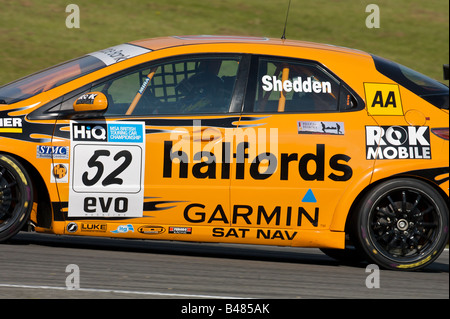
(91, 102)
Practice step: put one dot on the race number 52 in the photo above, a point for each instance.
(100, 168)
(107, 175)
(111, 178)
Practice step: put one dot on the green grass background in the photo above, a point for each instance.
(33, 34)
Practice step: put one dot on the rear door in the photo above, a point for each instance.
(305, 146)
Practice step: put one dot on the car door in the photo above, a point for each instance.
(304, 149)
(156, 153)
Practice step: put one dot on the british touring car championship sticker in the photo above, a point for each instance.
(398, 142)
(107, 169)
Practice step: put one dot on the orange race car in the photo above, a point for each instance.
(231, 139)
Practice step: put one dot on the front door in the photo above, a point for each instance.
(157, 152)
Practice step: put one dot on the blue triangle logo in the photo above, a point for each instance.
(309, 197)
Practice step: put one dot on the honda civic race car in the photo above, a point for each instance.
(231, 139)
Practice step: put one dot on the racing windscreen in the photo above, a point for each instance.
(57, 75)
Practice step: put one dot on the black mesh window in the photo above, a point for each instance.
(196, 85)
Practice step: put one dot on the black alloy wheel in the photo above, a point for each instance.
(16, 197)
(402, 224)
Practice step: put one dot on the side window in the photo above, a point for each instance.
(189, 86)
(294, 87)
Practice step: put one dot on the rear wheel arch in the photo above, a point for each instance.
(354, 207)
(375, 247)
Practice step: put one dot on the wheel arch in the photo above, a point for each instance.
(354, 207)
(44, 214)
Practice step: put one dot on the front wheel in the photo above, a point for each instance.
(16, 197)
(402, 224)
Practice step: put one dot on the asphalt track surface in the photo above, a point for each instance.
(33, 266)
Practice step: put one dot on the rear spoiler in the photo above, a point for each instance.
(446, 72)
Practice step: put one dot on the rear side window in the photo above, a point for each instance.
(428, 89)
(294, 87)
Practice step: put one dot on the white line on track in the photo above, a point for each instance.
(148, 293)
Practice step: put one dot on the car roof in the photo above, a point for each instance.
(167, 42)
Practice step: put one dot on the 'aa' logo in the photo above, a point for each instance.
(383, 99)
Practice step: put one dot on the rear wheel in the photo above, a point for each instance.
(16, 197)
(402, 224)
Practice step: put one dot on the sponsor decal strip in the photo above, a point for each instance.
(316, 127)
(55, 152)
(309, 85)
(59, 173)
(119, 53)
(10, 130)
(197, 213)
(107, 169)
(383, 99)
(398, 142)
(10, 125)
(178, 160)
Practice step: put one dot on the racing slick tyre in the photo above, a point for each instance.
(402, 224)
(16, 197)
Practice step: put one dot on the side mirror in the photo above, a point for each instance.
(91, 102)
